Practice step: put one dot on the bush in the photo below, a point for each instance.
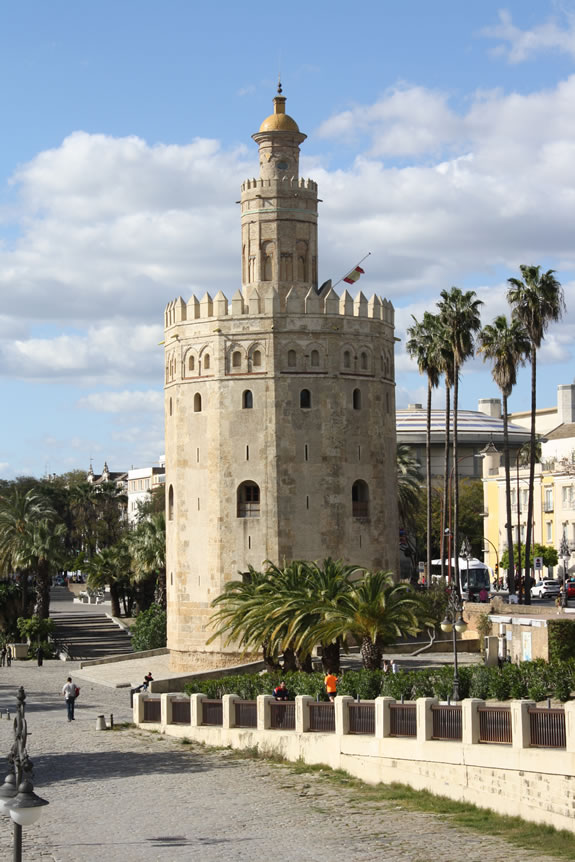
(34, 629)
(480, 683)
(149, 629)
(561, 635)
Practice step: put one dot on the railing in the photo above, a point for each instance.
(446, 722)
(547, 728)
(362, 718)
(282, 715)
(403, 719)
(153, 710)
(322, 717)
(212, 713)
(495, 724)
(181, 713)
(246, 713)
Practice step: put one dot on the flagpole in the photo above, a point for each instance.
(352, 269)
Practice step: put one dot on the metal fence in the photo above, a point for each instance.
(403, 719)
(181, 713)
(212, 713)
(246, 713)
(547, 728)
(446, 722)
(322, 717)
(362, 718)
(153, 710)
(282, 715)
(495, 724)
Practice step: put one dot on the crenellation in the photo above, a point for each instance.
(220, 305)
(295, 302)
(313, 303)
(254, 301)
(206, 306)
(346, 304)
(331, 302)
(237, 304)
(193, 308)
(360, 305)
(179, 310)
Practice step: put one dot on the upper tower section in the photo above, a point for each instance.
(279, 213)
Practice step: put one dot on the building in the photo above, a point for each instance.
(280, 411)
(141, 483)
(554, 487)
(120, 479)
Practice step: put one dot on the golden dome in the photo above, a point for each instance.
(279, 121)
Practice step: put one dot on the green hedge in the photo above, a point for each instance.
(561, 634)
(536, 680)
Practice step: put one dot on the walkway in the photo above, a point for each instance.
(129, 796)
(86, 628)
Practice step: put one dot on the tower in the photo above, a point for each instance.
(280, 411)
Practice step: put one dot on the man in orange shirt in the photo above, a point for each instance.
(331, 685)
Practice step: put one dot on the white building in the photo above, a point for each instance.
(141, 483)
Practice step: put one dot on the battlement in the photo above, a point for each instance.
(295, 304)
(286, 182)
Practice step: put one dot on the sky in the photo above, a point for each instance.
(442, 137)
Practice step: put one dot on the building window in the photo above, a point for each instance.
(548, 504)
(292, 358)
(248, 500)
(357, 399)
(360, 499)
(549, 527)
(257, 358)
(363, 361)
(191, 363)
(170, 406)
(197, 403)
(305, 399)
(346, 359)
(568, 497)
(247, 400)
(236, 359)
(305, 452)
(206, 361)
(171, 503)
(247, 453)
(314, 359)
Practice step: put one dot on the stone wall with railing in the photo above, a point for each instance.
(516, 758)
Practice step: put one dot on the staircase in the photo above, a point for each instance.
(90, 635)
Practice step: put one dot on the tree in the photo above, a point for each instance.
(147, 546)
(423, 346)
(470, 516)
(536, 300)
(460, 317)
(507, 346)
(149, 629)
(547, 552)
(110, 567)
(408, 484)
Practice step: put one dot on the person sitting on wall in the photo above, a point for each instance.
(280, 692)
(483, 595)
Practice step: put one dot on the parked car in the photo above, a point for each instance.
(546, 589)
(571, 588)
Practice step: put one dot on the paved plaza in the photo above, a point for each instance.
(133, 796)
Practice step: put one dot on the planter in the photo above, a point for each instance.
(19, 651)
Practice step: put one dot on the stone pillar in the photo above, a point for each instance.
(166, 709)
(138, 708)
(520, 722)
(424, 718)
(470, 720)
(264, 712)
(302, 702)
(383, 716)
(229, 710)
(196, 711)
(341, 706)
(570, 725)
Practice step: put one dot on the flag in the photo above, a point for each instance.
(353, 276)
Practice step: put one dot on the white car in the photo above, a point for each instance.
(545, 589)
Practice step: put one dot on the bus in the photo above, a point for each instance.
(480, 576)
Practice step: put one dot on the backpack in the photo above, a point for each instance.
(76, 691)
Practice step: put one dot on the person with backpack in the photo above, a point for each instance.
(70, 692)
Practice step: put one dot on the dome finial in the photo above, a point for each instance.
(279, 85)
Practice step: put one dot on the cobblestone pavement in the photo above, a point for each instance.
(132, 795)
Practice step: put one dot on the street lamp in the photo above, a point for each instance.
(465, 554)
(565, 555)
(17, 797)
(454, 623)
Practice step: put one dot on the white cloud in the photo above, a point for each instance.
(520, 45)
(127, 402)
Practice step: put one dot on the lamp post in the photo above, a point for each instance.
(17, 797)
(565, 555)
(454, 623)
(465, 554)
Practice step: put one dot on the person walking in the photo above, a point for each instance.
(9, 656)
(40, 656)
(330, 683)
(69, 691)
(3, 656)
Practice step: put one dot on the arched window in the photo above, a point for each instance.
(206, 361)
(305, 399)
(363, 361)
(257, 358)
(314, 359)
(248, 500)
(191, 363)
(357, 399)
(360, 499)
(171, 503)
(247, 400)
(292, 358)
(346, 359)
(236, 359)
(197, 403)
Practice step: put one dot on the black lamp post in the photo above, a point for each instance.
(565, 555)
(455, 623)
(17, 797)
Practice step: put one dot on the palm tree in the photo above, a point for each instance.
(537, 299)
(408, 484)
(44, 556)
(423, 346)
(460, 317)
(507, 346)
(110, 567)
(147, 546)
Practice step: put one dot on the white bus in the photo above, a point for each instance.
(480, 575)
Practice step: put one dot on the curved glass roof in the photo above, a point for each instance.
(470, 424)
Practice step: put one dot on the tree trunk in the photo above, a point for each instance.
(371, 654)
(532, 454)
(42, 608)
(304, 662)
(160, 594)
(290, 662)
(445, 477)
(330, 657)
(114, 600)
(270, 659)
(511, 566)
(428, 478)
(455, 481)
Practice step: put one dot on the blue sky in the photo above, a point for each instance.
(442, 136)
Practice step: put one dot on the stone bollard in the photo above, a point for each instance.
(101, 723)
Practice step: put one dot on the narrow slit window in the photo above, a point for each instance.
(247, 400)
(305, 399)
(247, 453)
(171, 503)
(197, 403)
(305, 452)
(357, 399)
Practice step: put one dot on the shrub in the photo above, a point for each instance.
(149, 629)
(561, 638)
(480, 683)
(35, 629)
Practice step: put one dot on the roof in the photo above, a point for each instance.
(279, 121)
(411, 425)
(567, 429)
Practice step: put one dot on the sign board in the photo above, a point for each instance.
(421, 567)
(537, 563)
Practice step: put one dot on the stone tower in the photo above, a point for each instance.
(280, 411)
